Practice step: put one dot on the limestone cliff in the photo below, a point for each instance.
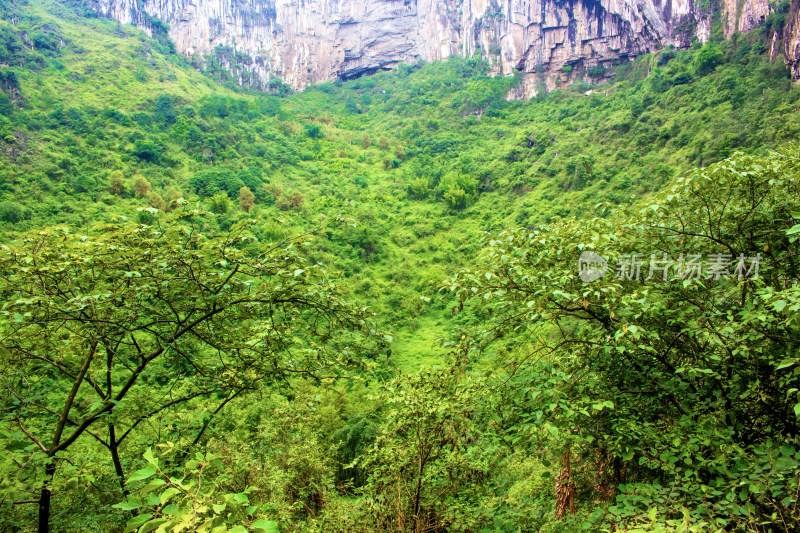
(791, 40)
(549, 41)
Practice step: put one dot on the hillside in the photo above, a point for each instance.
(424, 158)
(371, 212)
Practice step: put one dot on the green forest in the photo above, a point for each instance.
(399, 303)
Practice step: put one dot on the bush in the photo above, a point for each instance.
(11, 212)
(141, 187)
(155, 200)
(246, 199)
(207, 183)
(597, 71)
(707, 59)
(116, 181)
(6, 107)
(164, 110)
(456, 198)
(313, 131)
(220, 203)
(293, 201)
(147, 150)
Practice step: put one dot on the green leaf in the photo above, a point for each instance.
(128, 505)
(134, 523)
(171, 509)
(266, 526)
(167, 494)
(152, 485)
(144, 473)
(148, 456)
(152, 525)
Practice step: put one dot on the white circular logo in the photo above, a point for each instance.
(591, 267)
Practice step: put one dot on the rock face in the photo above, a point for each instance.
(548, 41)
(791, 40)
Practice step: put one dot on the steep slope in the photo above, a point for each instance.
(549, 41)
(423, 158)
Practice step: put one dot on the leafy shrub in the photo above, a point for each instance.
(220, 203)
(596, 71)
(290, 201)
(148, 150)
(11, 212)
(313, 131)
(707, 59)
(141, 187)
(6, 107)
(208, 182)
(246, 199)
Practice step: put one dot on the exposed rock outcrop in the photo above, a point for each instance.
(791, 40)
(308, 41)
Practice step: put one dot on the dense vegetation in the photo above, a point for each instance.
(221, 307)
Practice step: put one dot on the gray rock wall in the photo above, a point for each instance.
(308, 41)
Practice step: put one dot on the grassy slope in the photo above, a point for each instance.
(102, 63)
(440, 127)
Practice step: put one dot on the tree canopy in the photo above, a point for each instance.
(92, 322)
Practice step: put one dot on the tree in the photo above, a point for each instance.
(683, 377)
(101, 332)
(426, 455)
(6, 107)
(141, 187)
(456, 198)
(11, 212)
(290, 200)
(164, 110)
(246, 199)
(172, 198)
(314, 131)
(149, 150)
(418, 188)
(220, 203)
(457, 189)
(209, 182)
(707, 59)
(155, 200)
(116, 181)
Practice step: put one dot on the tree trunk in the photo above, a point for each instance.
(113, 448)
(44, 497)
(565, 492)
(50, 468)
